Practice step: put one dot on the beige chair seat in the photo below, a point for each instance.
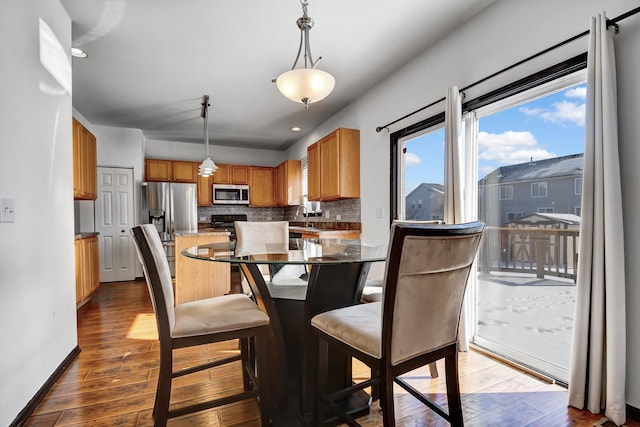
(359, 326)
(294, 288)
(219, 314)
(372, 292)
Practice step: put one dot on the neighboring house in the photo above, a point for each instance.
(425, 202)
(552, 186)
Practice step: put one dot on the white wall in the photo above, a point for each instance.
(505, 33)
(37, 272)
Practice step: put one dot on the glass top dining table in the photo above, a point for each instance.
(297, 251)
(336, 273)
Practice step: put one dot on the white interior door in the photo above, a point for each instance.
(114, 219)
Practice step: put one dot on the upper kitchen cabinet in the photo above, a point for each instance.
(205, 191)
(231, 174)
(334, 166)
(288, 183)
(170, 170)
(85, 181)
(261, 191)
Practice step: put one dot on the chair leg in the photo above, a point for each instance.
(453, 390)
(375, 389)
(163, 391)
(386, 397)
(320, 381)
(247, 362)
(433, 369)
(266, 405)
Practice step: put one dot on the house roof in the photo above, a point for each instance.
(536, 170)
(549, 218)
(439, 188)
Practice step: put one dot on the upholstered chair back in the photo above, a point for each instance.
(158, 276)
(426, 277)
(262, 237)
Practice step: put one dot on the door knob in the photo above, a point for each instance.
(122, 231)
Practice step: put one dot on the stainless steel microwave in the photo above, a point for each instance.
(228, 194)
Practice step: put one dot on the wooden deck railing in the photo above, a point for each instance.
(539, 251)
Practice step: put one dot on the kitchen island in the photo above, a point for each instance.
(322, 233)
(198, 280)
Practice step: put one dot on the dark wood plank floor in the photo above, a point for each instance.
(113, 380)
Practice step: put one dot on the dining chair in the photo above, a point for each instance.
(261, 237)
(196, 323)
(428, 266)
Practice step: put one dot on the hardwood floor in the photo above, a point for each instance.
(113, 380)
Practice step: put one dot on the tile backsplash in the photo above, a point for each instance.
(348, 210)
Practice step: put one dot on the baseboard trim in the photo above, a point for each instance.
(633, 413)
(22, 417)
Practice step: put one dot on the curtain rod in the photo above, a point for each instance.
(610, 23)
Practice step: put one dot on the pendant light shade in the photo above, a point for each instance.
(207, 168)
(308, 84)
(305, 85)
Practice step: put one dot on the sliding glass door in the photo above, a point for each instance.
(530, 153)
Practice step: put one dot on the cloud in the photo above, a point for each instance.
(510, 147)
(411, 159)
(577, 92)
(562, 111)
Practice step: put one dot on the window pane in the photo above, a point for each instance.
(529, 194)
(422, 169)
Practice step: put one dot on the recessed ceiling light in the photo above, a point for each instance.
(295, 129)
(78, 53)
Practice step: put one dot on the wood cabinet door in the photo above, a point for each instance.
(313, 171)
(261, 186)
(77, 159)
(239, 174)
(94, 262)
(185, 171)
(90, 169)
(157, 170)
(79, 289)
(87, 276)
(222, 174)
(293, 183)
(280, 184)
(330, 166)
(205, 191)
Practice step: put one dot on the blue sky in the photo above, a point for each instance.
(546, 127)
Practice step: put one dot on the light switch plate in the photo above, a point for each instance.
(7, 210)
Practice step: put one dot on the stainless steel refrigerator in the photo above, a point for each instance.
(171, 207)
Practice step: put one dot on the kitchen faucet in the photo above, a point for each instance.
(305, 213)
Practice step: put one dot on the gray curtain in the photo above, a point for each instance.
(598, 359)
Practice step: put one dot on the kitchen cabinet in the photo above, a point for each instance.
(196, 279)
(261, 191)
(85, 181)
(334, 166)
(231, 174)
(87, 268)
(170, 170)
(205, 190)
(288, 183)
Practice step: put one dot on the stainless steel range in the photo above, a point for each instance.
(226, 222)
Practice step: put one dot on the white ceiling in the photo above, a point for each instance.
(151, 61)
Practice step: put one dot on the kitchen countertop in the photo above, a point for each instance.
(203, 232)
(315, 230)
(84, 235)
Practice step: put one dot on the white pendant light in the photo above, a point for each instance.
(207, 168)
(305, 85)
